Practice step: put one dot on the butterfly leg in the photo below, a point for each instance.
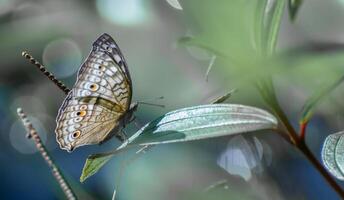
(121, 136)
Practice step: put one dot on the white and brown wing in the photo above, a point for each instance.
(105, 74)
(84, 124)
(99, 98)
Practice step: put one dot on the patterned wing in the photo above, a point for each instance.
(98, 100)
(81, 123)
(105, 74)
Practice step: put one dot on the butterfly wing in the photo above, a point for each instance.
(99, 98)
(105, 74)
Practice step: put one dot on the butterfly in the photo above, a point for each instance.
(99, 104)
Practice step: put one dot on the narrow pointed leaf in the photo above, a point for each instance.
(192, 123)
(293, 8)
(96, 161)
(191, 41)
(92, 166)
(316, 98)
(259, 24)
(224, 97)
(201, 122)
(273, 17)
(333, 154)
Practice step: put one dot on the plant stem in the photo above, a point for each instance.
(310, 156)
(300, 144)
(303, 127)
(267, 92)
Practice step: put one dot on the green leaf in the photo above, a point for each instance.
(259, 28)
(97, 161)
(222, 26)
(316, 98)
(92, 166)
(293, 8)
(333, 154)
(192, 123)
(201, 122)
(273, 16)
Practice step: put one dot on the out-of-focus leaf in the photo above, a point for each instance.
(259, 29)
(192, 123)
(293, 8)
(333, 154)
(240, 32)
(175, 4)
(223, 98)
(190, 41)
(224, 26)
(272, 20)
(216, 185)
(243, 157)
(316, 98)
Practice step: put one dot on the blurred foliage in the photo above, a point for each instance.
(293, 8)
(316, 98)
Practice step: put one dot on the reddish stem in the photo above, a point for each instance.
(303, 127)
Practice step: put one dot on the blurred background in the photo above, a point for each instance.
(250, 166)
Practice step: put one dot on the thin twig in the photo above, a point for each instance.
(299, 142)
(224, 97)
(303, 127)
(221, 183)
(310, 156)
(48, 74)
(32, 134)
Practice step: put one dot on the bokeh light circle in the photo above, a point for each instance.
(123, 12)
(62, 57)
(241, 157)
(31, 104)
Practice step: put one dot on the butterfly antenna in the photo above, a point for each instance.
(51, 77)
(153, 104)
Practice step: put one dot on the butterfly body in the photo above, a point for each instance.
(99, 104)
